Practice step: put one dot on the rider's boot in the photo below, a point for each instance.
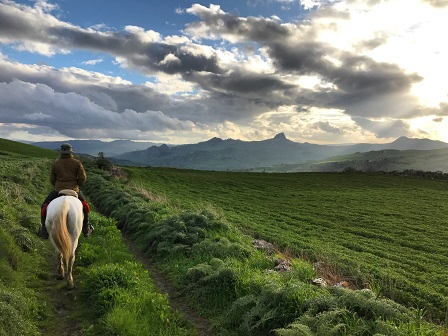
(43, 233)
(86, 227)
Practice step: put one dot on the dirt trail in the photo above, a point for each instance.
(66, 317)
(175, 300)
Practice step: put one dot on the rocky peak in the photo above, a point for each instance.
(280, 136)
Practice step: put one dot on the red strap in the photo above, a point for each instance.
(43, 210)
(85, 206)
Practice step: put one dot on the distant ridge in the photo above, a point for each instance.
(230, 154)
(93, 147)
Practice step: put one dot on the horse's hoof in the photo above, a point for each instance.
(60, 277)
(70, 286)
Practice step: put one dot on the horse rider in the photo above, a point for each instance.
(66, 173)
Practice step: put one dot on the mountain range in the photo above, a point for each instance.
(276, 154)
(93, 147)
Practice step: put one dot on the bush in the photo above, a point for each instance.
(220, 248)
(145, 314)
(103, 285)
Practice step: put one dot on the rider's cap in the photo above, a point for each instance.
(66, 148)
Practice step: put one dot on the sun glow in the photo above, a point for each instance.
(435, 128)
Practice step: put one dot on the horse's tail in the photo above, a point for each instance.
(60, 234)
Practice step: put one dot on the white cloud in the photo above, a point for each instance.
(45, 6)
(144, 35)
(171, 85)
(309, 4)
(170, 58)
(93, 62)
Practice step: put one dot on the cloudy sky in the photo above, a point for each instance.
(180, 71)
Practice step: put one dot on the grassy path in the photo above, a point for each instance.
(67, 314)
(175, 300)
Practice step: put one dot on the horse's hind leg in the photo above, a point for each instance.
(60, 275)
(71, 261)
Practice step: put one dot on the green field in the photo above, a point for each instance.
(377, 231)
(383, 231)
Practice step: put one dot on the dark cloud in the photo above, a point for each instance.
(374, 42)
(240, 83)
(422, 111)
(327, 127)
(294, 50)
(249, 29)
(384, 129)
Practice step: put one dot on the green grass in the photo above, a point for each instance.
(22, 259)
(119, 291)
(29, 295)
(227, 280)
(387, 232)
(8, 147)
(382, 231)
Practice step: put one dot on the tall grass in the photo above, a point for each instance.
(21, 257)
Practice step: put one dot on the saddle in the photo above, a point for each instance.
(68, 192)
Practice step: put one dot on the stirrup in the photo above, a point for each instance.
(89, 230)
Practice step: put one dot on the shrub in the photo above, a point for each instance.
(220, 248)
(102, 285)
(194, 274)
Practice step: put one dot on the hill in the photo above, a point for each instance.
(230, 154)
(387, 160)
(13, 147)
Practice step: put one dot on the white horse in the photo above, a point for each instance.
(64, 226)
